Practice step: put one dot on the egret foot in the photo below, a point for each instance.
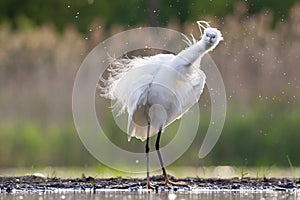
(149, 186)
(183, 184)
(168, 182)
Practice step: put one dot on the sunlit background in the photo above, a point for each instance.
(42, 44)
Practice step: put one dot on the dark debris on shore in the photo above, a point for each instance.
(36, 183)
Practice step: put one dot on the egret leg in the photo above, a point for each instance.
(147, 149)
(167, 181)
(160, 157)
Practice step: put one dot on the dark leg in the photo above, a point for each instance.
(167, 181)
(147, 156)
(160, 157)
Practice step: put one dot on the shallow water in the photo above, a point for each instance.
(124, 195)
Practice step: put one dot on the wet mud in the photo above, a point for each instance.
(40, 184)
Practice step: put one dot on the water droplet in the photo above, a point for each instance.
(86, 38)
(69, 6)
(137, 161)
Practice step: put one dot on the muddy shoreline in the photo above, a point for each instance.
(40, 184)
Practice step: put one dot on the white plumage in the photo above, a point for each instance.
(159, 88)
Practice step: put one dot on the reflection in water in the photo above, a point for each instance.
(124, 195)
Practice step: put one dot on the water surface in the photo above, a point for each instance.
(124, 195)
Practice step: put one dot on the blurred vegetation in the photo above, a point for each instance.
(42, 47)
(82, 13)
(253, 140)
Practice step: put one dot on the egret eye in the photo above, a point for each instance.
(213, 36)
(207, 35)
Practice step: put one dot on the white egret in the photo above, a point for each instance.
(156, 90)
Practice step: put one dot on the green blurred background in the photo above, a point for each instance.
(42, 44)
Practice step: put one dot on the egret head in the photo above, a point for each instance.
(212, 36)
